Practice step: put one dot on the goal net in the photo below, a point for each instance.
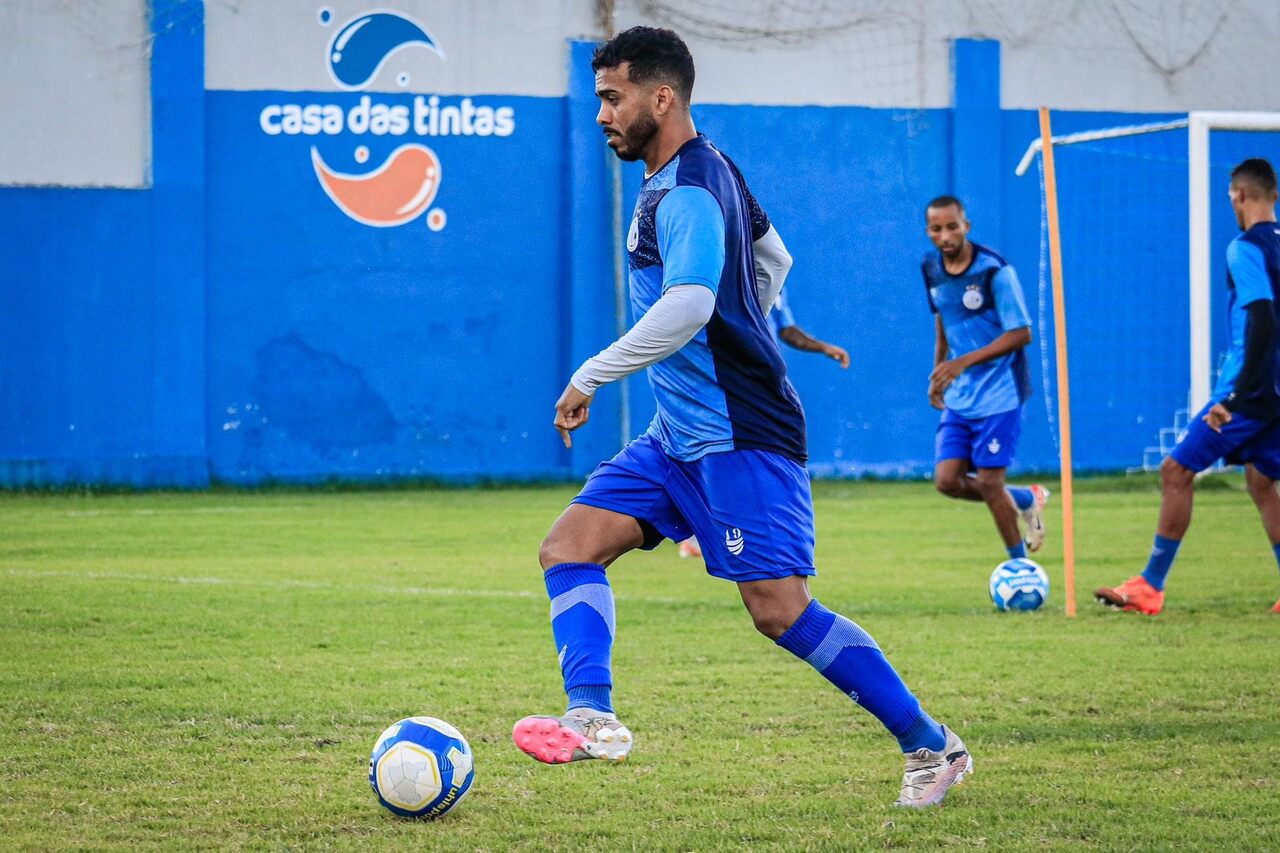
(1144, 223)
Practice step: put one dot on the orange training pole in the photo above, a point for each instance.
(1064, 385)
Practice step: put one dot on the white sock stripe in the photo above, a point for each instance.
(598, 596)
(843, 634)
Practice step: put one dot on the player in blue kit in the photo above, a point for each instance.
(980, 378)
(1242, 422)
(724, 456)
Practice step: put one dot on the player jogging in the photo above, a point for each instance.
(1242, 422)
(784, 325)
(980, 378)
(724, 455)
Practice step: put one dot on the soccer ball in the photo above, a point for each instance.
(421, 767)
(1019, 584)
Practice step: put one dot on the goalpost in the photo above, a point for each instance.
(1198, 126)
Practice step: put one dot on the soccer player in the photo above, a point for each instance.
(724, 456)
(1242, 421)
(980, 378)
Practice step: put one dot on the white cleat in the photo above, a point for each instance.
(930, 774)
(1033, 517)
(580, 734)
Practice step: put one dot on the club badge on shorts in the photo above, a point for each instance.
(973, 297)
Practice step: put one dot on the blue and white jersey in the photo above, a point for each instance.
(1253, 273)
(727, 389)
(781, 316)
(977, 306)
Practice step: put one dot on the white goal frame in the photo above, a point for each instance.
(1198, 125)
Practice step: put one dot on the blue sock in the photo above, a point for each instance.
(846, 656)
(1016, 551)
(1275, 549)
(583, 624)
(1022, 496)
(1162, 553)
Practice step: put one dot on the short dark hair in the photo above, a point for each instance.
(945, 201)
(654, 54)
(1258, 173)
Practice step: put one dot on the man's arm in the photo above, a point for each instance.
(670, 324)
(1253, 291)
(773, 263)
(798, 338)
(939, 356)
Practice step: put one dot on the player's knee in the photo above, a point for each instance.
(1261, 487)
(948, 485)
(771, 622)
(551, 552)
(1175, 475)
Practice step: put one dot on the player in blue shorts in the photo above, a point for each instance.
(724, 456)
(1241, 424)
(980, 378)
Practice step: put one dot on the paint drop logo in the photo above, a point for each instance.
(396, 192)
(362, 46)
(395, 184)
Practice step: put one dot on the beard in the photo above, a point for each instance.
(632, 141)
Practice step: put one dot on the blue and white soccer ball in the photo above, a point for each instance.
(1019, 584)
(421, 767)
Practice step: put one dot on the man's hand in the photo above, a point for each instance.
(1217, 417)
(935, 397)
(571, 412)
(837, 353)
(942, 377)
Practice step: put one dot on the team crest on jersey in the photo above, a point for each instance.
(633, 234)
(973, 297)
(734, 541)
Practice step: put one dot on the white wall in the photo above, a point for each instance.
(75, 96)
(510, 47)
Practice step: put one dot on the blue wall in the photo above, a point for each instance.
(229, 323)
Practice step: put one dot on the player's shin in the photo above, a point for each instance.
(846, 656)
(582, 621)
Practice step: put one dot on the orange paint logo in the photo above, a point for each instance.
(396, 192)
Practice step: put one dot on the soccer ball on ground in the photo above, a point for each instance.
(421, 767)
(1019, 584)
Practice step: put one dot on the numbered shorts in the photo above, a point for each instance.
(987, 442)
(1244, 441)
(750, 509)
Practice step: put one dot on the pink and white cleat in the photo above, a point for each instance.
(580, 734)
(1033, 517)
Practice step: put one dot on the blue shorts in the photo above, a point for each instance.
(987, 442)
(750, 509)
(1244, 441)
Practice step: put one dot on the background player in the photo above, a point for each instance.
(1242, 422)
(980, 378)
(724, 455)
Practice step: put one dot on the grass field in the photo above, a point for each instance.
(183, 671)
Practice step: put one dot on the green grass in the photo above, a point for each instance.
(183, 671)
